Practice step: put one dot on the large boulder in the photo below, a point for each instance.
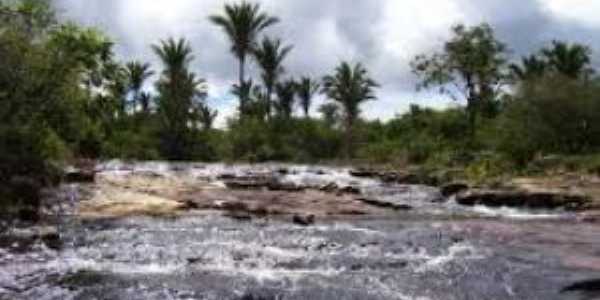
(524, 199)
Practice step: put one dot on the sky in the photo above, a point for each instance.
(385, 35)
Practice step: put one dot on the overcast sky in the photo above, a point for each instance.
(383, 34)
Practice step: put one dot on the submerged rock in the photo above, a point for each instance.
(584, 286)
(46, 234)
(304, 220)
(525, 199)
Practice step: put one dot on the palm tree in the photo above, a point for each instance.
(145, 99)
(330, 113)
(270, 55)
(137, 74)
(178, 90)
(244, 93)
(242, 23)
(307, 88)
(175, 55)
(207, 116)
(531, 67)
(571, 60)
(286, 95)
(350, 86)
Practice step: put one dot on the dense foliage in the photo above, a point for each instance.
(66, 96)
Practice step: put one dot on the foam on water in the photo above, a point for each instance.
(515, 213)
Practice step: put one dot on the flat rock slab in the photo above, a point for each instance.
(266, 202)
(118, 202)
(386, 204)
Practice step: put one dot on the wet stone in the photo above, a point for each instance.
(453, 188)
(303, 220)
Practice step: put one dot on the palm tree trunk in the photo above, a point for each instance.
(269, 101)
(242, 79)
(349, 137)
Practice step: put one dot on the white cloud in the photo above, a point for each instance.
(580, 11)
(385, 35)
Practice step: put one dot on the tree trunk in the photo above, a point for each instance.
(242, 79)
(269, 100)
(349, 137)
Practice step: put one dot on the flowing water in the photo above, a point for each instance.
(437, 250)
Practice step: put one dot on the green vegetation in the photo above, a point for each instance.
(65, 96)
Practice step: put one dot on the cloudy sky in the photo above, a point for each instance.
(383, 34)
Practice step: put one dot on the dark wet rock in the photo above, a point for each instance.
(329, 188)
(304, 220)
(50, 237)
(226, 176)
(364, 173)
(22, 195)
(81, 279)
(319, 172)
(239, 216)
(80, 175)
(234, 206)
(453, 188)
(397, 177)
(349, 190)
(189, 204)
(385, 204)
(535, 200)
(29, 214)
(149, 174)
(285, 187)
(592, 285)
(194, 260)
(260, 296)
(335, 189)
(25, 237)
(250, 182)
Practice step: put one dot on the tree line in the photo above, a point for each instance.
(66, 96)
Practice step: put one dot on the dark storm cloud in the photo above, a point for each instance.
(385, 35)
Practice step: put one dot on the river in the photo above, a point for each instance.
(436, 250)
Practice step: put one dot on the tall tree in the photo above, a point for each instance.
(306, 89)
(531, 67)
(137, 74)
(286, 96)
(571, 60)
(179, 91)
(207, 116)
(330, 113)
(243, 22)
(350, 86)
(145, 100)
(470, 67)
(270, 55)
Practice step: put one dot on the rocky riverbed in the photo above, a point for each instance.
(196, 231)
